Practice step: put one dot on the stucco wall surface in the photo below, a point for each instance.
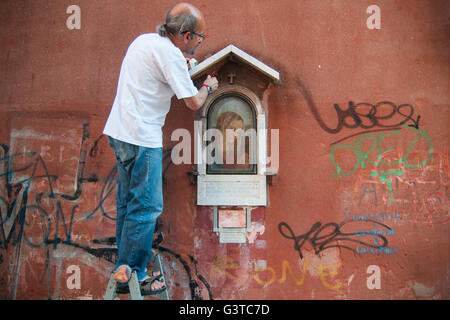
(360, 206)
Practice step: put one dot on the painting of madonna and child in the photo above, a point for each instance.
(231, 120)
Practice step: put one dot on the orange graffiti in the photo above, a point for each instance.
(224, 264)
(268, 275)
(265, 283)
(287, 266)
(323, 275)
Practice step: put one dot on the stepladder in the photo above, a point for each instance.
(133, 283)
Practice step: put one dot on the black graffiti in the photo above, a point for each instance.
(110, 254)
(109, 185)
(17, 206)
(81, 166)
(167, 162)
(16, 203)
(330, 235)
(363, 115)
(94, 150)
(193, 284)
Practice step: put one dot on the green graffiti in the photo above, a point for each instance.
(383, 176)
(420, 134)
(376, 143)
(333, 150)
(365, 156)
(387, 173)
(381, 151)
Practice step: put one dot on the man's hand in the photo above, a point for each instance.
(212, 82)
(191, 62)
(196, 102)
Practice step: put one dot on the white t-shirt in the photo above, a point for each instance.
(153, 70)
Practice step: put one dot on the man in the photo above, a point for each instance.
(153, 70)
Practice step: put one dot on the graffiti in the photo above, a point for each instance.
(94, 149)
(415, 198)
(167, 162)
(383, 250)
(108, 187)
(330, 235)
(195, 288)
(364, 157)
(410, 180)
(32, 211)
(364, 115)
(419, 195)
(267, 276)
(17, 210)
(391, 216)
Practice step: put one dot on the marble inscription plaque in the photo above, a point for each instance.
(231, 190)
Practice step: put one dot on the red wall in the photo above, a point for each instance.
(57, 179)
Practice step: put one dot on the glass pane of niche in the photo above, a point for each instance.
(232, 146)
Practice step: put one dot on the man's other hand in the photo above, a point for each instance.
(212, 82)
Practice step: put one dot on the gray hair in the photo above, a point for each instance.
(177, 24)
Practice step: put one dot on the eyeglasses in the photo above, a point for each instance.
(202, 36)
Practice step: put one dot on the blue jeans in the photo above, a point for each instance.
(139, 202)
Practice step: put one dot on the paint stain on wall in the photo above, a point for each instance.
(256, 229)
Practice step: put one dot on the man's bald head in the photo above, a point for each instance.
(183, 17)
(184, 7)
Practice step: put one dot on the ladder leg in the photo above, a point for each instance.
(111, 289)
(152, 258)
(135, 288)
(157, 266)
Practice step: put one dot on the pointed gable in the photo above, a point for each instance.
(231, 52)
